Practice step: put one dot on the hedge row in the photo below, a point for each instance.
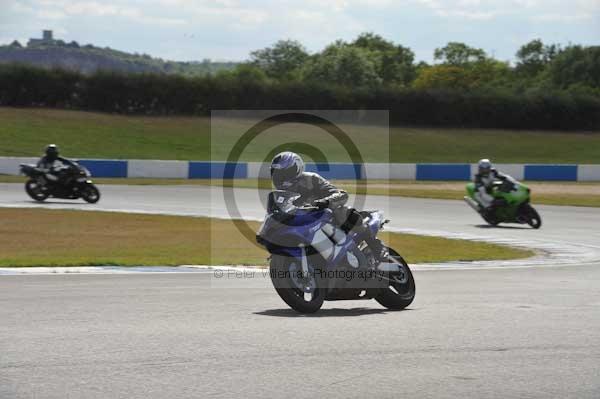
(23, 86)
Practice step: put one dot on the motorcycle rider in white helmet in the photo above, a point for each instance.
(287, 173)
(484, 180)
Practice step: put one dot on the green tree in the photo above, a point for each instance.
(344, 65)
(249, 73)
(533, 57)
(576, 65)
(459, 54)
(442, 77)
(281, 60)
(393, 63)
(243, 73)
(488, 73)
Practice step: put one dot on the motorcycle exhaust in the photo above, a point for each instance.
(472, 203)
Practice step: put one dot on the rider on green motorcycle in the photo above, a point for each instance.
(499, 198)
(484, 181)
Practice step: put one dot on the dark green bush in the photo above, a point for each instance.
(155, 94)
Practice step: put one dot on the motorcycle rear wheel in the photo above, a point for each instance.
(532, 216)
(284, 276)
(402, 288)
(34, 191)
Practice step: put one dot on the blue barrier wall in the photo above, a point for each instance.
(105, 168)
(551, 172)
(336, 170)
(443, 171)
(217, 170)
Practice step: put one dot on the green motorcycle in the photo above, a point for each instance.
(511, 204)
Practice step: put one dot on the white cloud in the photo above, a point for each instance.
(488, 9)
(473, 15)
(230, 29)
(463, 9)
(60, 9)
(228, 13)
(561, 17)
(50, 14)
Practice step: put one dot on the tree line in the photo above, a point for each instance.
(549, 87)
(372, 61)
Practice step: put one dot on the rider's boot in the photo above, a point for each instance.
(354, 221)
(380, 251)
(490, 210)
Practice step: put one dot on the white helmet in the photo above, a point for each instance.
(484, 166)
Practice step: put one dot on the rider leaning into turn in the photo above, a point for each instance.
(287, 173)
(484, 180)
(53, 164)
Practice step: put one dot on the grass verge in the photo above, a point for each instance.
(43, 237)
(98, 135)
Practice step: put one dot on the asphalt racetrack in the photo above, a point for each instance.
(521, 329)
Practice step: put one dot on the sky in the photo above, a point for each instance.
(185, 30)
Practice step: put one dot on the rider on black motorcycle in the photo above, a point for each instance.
(484, 181)
(54, 165)
(287, 173)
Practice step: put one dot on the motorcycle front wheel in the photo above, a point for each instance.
(304, 294)
(489, 218)
(34, 190)
(90, 194)
(401, 290)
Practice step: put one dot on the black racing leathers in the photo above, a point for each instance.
(55, 166)
(51, 163)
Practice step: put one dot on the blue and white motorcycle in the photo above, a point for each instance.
(313, 260)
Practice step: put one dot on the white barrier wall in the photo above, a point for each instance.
(10, 165)
(588, 173)
(396, 171)
(254, 170)
(515, 170)
(158, 169)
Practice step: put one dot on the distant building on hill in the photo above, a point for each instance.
(47, 39)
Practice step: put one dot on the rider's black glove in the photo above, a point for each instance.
(321, 203)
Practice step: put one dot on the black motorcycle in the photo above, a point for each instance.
(73, 182)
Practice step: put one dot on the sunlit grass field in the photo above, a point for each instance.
(25, 132)
(83, 238)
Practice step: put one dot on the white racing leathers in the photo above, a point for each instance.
(483, 185)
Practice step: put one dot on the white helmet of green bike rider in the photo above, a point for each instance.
(484, 167)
